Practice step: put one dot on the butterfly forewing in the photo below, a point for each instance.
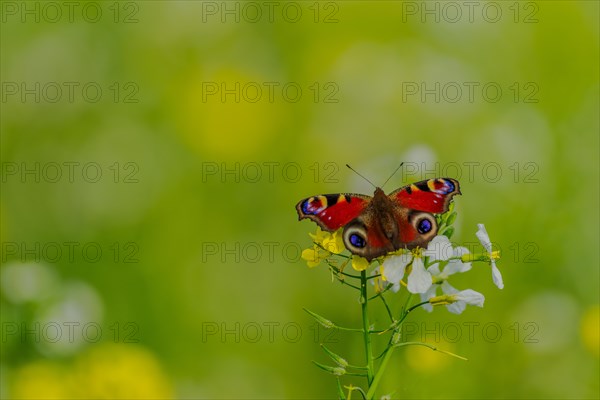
(432, 195)
(332, 211)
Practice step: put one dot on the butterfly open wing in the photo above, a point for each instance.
(432, 195)
(375, 226)
(332, 211)
(417, 202)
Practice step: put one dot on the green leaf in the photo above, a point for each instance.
(451, 218)
(440, 219)
(448, 232)
(451, 207)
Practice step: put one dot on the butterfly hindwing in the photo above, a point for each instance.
(432, 195)
(332, 211)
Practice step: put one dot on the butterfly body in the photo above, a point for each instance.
(375, 226)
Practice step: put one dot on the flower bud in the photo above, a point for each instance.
(442, 300)
(396, 338)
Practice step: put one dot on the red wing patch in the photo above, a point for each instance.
(332, 211)
(408, 233)
(432, 195)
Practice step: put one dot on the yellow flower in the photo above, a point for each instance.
(359, 263)
(332, 242)
(314, 256)
(319, 235)
(326, 243)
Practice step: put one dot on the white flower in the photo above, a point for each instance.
(419, 280)
(439, 249)
(463, 298)
(484, 238)
(455, 265)
(456, 301)
(394, 266)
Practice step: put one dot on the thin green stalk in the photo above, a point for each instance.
(341, 328)
(406, 303)
(387, 307)
(388, 352)
(377, 379)
(340, 390)
(349, 284)
(366, 330)
(339, 271)
(416, 306)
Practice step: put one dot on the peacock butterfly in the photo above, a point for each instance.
(374, 226)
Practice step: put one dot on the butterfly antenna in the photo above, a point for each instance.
(393, 173)
(353, 170)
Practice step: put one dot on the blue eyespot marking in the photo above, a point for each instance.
(314, 205)
(306, 208)
(449, 186)
(424, 226)
(357, 241)
(441, 186)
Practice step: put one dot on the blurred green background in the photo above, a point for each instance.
(153, 152)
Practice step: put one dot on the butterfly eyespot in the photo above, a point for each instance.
(314, 205)
(424, 226)
(355, 238)
(357, 241)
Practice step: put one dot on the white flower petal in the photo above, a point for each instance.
(419, 279)
(457, 307)
(448, 288)
(463, 298)
(455, 266)
(434, 269)
(439, 248)
(471, 297)
(431, 292)
(460, 251)
(484, 238)
(497, 276)
(394, 267)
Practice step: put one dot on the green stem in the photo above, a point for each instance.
(340, 390)
(377, 379)
(390, 349)
(366, 333)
